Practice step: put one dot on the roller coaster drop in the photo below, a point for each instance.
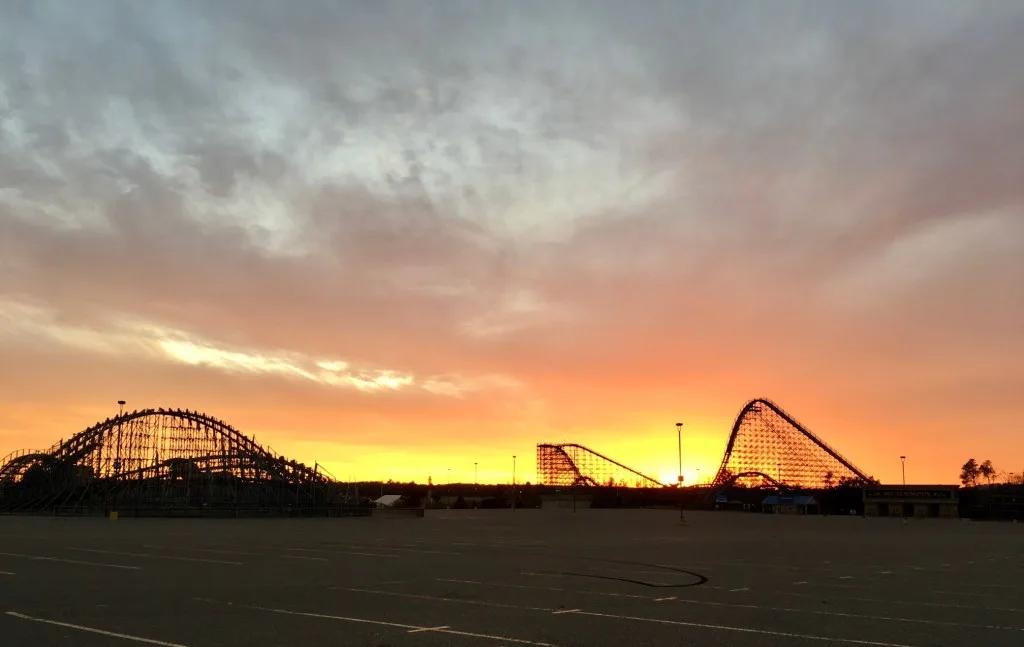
(162, 459)
(159, 459)
(767, 447)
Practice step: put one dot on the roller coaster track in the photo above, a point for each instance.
(570, 464)
(123, 446)
(768, 443)
(157, 456)
(766, 447)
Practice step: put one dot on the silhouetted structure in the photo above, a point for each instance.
(572, 465)
(912, 501)
(160, 459)
(768, 447)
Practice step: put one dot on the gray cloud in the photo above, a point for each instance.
(553, 191)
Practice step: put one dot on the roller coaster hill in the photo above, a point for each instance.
(767, 450)
(165, 461)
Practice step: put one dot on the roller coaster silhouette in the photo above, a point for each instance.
(160, 459)
(767, 447)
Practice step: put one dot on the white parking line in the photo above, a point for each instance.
(200, 550)
(439, 598)
(385, 623)
(762, 632)
(691, 601)
(396, 549)
(341, 552)
(93, 630)
(72, 561)
(949, 605)
(312, 559)
(545, 588)
(6, 573)
(419, 631)
(153, 556)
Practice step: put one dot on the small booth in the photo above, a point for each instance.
(790, 504)
(912, 501)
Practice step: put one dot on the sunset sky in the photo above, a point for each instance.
(399, 238)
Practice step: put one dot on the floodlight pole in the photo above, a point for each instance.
(513, 482)
(679, 477)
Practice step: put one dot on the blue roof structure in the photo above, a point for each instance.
(789, 499)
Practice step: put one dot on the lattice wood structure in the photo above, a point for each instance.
(572, 465)
(159, 457)
(768, 447)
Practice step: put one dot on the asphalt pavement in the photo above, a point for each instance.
(595, 578)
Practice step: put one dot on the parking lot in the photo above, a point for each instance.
(529, 577)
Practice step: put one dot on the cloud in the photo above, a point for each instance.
(806, 200)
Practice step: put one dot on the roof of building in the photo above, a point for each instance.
(388, 500)
(799, 499)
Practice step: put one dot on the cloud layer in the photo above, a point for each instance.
(359, 226)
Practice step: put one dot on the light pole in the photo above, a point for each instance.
(513, 482)
(903, 467)
(778, 473)
(679, 477)
(476, 477)
(120, 408)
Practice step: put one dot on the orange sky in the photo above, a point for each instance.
(557, 227)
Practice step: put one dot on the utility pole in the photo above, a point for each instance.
(679, 477)
(513, 482)
(778, 508)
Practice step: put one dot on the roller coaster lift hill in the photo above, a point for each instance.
(159, 459)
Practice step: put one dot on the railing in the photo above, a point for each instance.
(241, 512)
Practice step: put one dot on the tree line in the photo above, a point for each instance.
(974, 472)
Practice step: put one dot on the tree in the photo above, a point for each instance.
(969, 473)
(829, 478)
(987, 470)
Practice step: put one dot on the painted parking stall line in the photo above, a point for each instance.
(442, 629)
(154, 556)
(79, 562)
(663, 621)
(733, 605)
(93, 630)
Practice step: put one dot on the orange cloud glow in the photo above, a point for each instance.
(399, 260)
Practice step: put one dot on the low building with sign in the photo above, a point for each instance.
(912, 501)
(790, 504)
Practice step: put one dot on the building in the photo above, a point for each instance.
(388, 500)
(790, 504)
(912, 501)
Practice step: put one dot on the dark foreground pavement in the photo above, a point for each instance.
(591, 579)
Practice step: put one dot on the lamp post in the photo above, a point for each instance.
(120, 407)
(903, 467)
(778, 473)
(679, 476)
(476, 478)
(513, 482)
